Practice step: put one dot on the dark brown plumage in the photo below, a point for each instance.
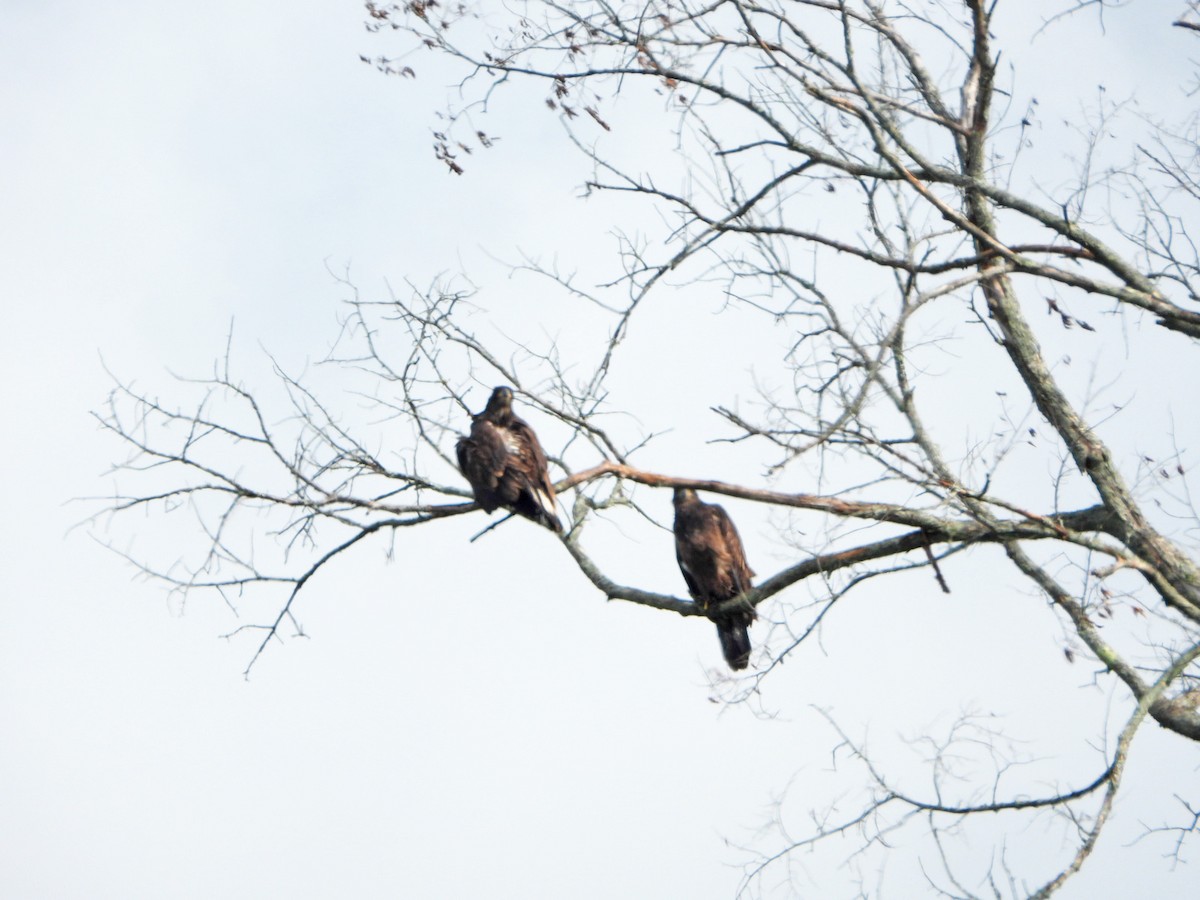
(713, 563)
(505, 463)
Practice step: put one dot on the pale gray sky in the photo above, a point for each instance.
(443, 732)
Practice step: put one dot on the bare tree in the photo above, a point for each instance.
(862, 179)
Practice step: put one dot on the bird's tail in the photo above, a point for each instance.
(735, 643)
(550, 520)
(536, 508)
(542, 509)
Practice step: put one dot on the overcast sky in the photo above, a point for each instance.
(462, 721)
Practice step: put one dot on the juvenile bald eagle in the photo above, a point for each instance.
(713, 563)
(505, 463)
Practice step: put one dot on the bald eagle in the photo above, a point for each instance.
(505, 463)
(713, 563)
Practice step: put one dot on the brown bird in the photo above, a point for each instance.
(505, 463)
(713, 563)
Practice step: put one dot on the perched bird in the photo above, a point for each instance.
(713, 563)
(505, 463)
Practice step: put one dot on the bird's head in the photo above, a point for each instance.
(500, 403)
(684, 495)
